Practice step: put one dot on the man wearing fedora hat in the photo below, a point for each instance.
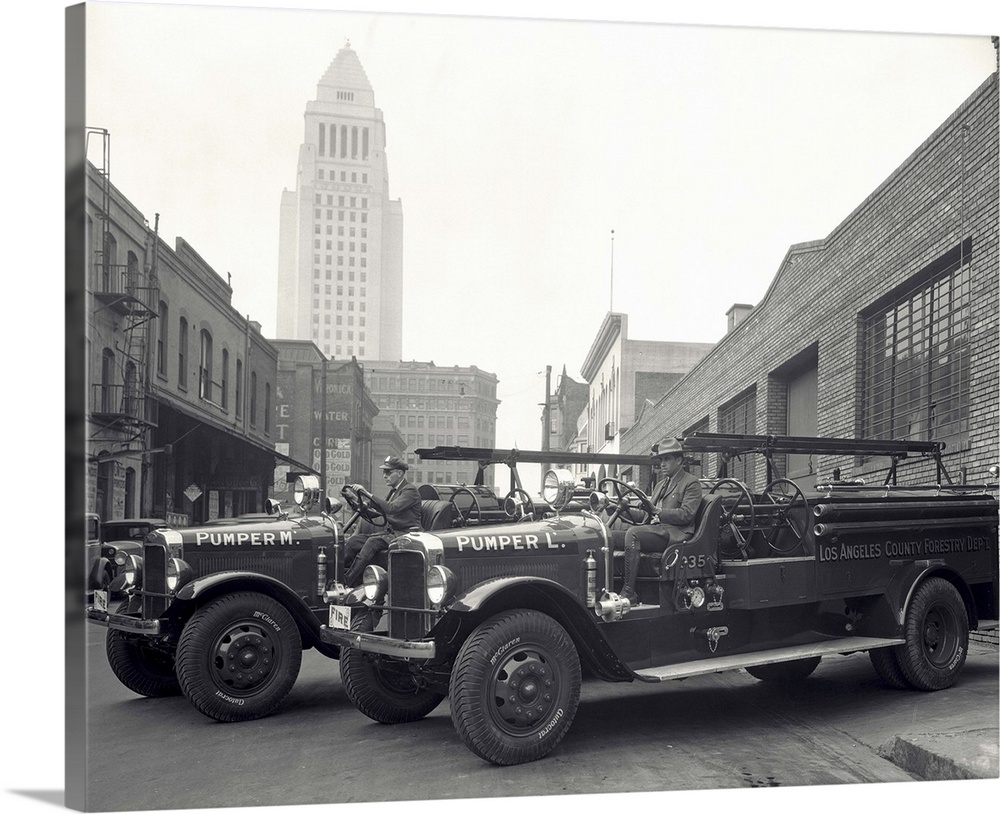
(402, 511)
(676, 499)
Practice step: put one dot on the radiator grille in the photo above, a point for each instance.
(154, 580)
(407, 572)
(470, 574)
(277, 567)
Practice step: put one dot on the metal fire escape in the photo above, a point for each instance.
(121, 409)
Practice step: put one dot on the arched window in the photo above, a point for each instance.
(253, 399)
(109, 260)
(224, 384)
(132, 273)
(182, 352)
(267, 407)
(239, 388)
(161, 340)
(205, 366)
(130, 401)
(107, 380)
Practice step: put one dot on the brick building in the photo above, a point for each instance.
(180, 386)
(885, 329)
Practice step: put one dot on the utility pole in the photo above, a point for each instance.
(546, 419)
(322, 434)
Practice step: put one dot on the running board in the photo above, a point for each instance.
(849, 644)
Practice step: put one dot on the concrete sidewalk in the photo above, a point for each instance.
(953, 740)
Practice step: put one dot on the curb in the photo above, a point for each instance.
(930, 765)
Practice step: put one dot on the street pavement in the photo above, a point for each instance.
(954, 741)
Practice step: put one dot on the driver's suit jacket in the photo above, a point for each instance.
(401, 507)
(677, 500)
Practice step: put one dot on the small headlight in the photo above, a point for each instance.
(179, 573)
(375, 581)
(133, 570)
(441, 585)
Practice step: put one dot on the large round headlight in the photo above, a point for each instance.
(375, 582)
(179, 573)
(306, 491)
(557, 488)
(133, 571)
(441, 585)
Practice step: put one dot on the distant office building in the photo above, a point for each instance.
(437, 406)
(340, 250)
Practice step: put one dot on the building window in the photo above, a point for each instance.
(739, 417)
(182, 349)
(253, 398)
(916, 354)
(205, 367)
(224, 385)
(161, 340)
(239, 388)
(267, 408)
(107, 380)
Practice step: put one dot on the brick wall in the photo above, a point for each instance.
(945, 193)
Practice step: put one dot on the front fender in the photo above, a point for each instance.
(206, 588)
(887, 614)
(546, 596)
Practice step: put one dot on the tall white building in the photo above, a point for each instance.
(340, 252)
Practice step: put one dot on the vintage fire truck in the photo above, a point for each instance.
(503, 620)
(222, 612)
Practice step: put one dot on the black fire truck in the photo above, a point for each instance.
(503, 620)
(222, 612)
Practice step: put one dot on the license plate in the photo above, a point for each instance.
(340, 616)
(101, 600)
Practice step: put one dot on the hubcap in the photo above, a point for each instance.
(939, 638)
(525, 689)
(244, 657)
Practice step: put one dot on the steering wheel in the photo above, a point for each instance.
(363, 503)
(791, 505)
(627, 503)
(518, 504)
(473, 508)
(734, 515)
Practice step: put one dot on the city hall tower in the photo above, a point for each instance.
(340, 251)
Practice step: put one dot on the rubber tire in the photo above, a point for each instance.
(785, 672)
(886, 664)
(524, 637)
(205, 635)
(369, 687)
(143, 669)
(927, 665)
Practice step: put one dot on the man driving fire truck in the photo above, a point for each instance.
(402, 510)
(676, 499)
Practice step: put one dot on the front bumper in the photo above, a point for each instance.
(377, 643)
(119, 621)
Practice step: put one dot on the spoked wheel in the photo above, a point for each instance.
(788, 518)
(626, 503)
(738, 521)
(937, 636)
(471, 512)
(515, 687)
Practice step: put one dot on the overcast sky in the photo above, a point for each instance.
(517, 146)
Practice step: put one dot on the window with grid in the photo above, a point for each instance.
(916, 354)
(739, 417)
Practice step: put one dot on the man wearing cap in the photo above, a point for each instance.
(676, 499)
(402, 511)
